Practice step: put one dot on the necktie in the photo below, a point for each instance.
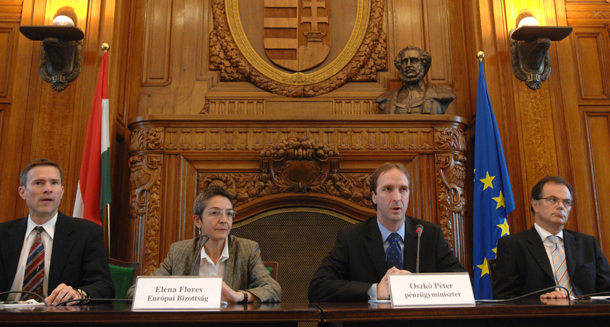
(33, 277)
(394, 254)
(559, 265)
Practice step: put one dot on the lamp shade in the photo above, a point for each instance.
(555, 33)
(40, 32)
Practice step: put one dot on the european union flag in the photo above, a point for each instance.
(493, 197)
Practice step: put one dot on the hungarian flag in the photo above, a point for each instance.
(94, 183)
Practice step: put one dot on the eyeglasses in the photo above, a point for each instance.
(568, 203)
(217, 213)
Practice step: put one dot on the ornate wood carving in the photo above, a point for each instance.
(451, 202)
(450, 179)
(145, 188)
(226, 57)
(294, 165)
(143, 139)
(241, 139)
(355, 107)
(449, 139)
(60, 62)
(579, 14)
(272, 163)
(232, 107)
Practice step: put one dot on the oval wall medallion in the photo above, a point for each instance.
(232, 53)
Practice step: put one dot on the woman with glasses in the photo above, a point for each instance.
(217, 253)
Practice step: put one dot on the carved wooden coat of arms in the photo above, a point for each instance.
(294, 58)
(297, 33)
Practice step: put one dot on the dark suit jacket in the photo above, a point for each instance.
(78, 258)
(358, 260)
(522, 265)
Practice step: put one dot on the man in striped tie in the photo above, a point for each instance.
(48, 255)
(548, 255)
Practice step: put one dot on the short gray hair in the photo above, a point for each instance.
(202, 199)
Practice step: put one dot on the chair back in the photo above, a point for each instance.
(272, 267)
(123, 275)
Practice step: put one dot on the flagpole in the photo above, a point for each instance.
(481, 55)
(105, 48)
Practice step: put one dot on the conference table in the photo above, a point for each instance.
(528, 312)
(121, 314)
(525, 312)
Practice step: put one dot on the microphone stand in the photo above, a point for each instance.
(418, 229)
(207, 238)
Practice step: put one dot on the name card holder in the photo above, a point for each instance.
(177, 293)
(434, 289)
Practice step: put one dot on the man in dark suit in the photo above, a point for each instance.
(357, 268)
(531, 260)
(72, 257)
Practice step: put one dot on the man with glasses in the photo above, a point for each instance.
(548, 255)
(216, 253)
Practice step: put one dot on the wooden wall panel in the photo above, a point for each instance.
(593, 67)
(7, 47)
(438, 41)
(598, 139)
(39, 121)
(424, 24)
(586, 2)
(2, 109)
(157, 43)
(408, 21)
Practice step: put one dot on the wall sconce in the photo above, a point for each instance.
(62, 49)
(529, 50)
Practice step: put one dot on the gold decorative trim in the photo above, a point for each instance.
(350, 50)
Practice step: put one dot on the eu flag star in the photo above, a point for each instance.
(484, 268)
(504, 227)
(500, 200)
(488, 181)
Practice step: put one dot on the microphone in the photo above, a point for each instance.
(418, 229)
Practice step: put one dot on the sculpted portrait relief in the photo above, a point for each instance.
(416, 96)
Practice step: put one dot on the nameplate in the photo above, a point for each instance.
(431, 289)
(177, 293)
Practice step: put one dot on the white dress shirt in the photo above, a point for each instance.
(385, 233)
(549, 246)
(47, 241)
(207, 268)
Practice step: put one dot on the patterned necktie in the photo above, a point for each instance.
(33, 277)
(559, 265)
(393, 256)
